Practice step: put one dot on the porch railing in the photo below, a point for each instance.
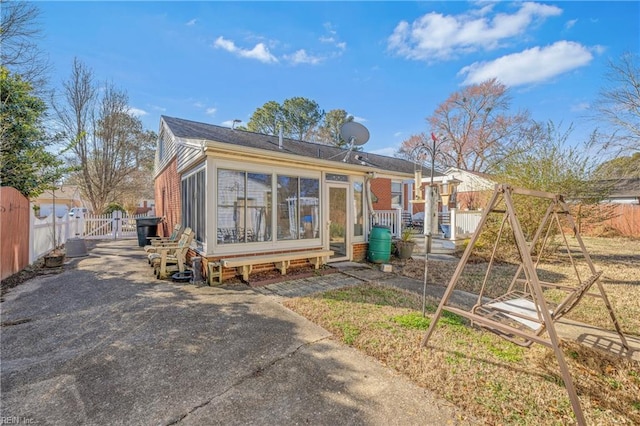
(458, 224)
(389, 218)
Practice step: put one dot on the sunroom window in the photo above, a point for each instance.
(244, 207)
(298, 208)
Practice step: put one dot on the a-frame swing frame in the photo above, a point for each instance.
(505, 315)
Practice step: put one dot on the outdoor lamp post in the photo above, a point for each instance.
(430, 214)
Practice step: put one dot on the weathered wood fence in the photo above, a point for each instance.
(14, 227)
(25, 237)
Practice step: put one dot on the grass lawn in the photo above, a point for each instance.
(488, 377)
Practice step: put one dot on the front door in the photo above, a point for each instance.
(338, 222)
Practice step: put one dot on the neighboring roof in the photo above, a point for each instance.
(471, 181)
(67, 192)
(194, 130)
(622, 188)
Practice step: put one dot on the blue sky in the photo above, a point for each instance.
(389, 64)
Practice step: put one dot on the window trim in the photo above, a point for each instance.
(273, 244)
(200, 219)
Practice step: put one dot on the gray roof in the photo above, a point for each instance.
(194, 130)
(622, 188)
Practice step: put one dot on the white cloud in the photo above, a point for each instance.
(198, 104)
(301, 57)
(579, 107)
(435, 36)
(191, 22)
(158, 108)
(327, 39)
(333, 38)
(397, 134)
(570, 24)
(211, 111)
(259, 52)
(137, 112)
(227, 123)
(359, 119)
(533, 65)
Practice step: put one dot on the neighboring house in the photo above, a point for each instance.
(622, 191)
(473, 190)
(247, 193)
(145, 207)
(66, 197)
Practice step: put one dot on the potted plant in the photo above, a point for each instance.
(406, 244)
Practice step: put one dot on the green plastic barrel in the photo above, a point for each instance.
(379, 244)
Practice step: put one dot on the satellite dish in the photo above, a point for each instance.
(354, 133)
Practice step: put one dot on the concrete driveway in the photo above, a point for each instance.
(104, 342)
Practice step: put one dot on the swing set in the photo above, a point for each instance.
(522, 314)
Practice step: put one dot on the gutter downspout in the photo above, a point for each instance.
(372, 212)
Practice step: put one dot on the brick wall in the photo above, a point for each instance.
(381, 188)
(167, 197)
(360, 251)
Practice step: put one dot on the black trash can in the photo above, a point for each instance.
(147, 227)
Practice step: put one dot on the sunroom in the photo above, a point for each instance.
(249, 194)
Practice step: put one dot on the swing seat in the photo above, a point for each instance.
(518, 310)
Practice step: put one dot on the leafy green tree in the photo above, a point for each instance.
(267, 119)
(301, 116)
(329, 130)
(26, 164)
(112, 207)
(619, 168)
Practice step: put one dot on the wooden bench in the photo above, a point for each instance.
(281, 261)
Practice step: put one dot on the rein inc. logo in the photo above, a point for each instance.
(17, 420)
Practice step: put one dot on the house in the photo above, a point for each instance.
(65, 198)
(473, 190)
(247, 194)
(621, 191)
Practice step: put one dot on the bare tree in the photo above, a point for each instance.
(19, 32)
(619, 105)
(474, 127)
(111, 147)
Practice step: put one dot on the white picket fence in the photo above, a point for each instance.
(110, 226)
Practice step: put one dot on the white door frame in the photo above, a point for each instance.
(348, 219)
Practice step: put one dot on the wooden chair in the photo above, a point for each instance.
(153, 254)
(163, 241)
(171, 258)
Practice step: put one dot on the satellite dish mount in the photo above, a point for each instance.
(355, 134)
